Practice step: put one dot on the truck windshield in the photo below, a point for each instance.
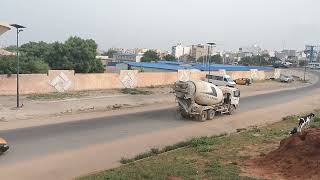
(209, 76)
(237, 93)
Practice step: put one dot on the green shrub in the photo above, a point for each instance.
(134, 91)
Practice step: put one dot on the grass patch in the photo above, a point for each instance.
(159, 86)
(56, 96)
(153, 170)
(224, 171)
(156, 151)
(218, 157)
(289, 117)
(134, 91)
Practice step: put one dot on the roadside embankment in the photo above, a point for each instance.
(250, 153)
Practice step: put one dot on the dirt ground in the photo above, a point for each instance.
(35, 106)
(262, 87)
(297, 157)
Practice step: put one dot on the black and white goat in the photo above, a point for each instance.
(304, 121)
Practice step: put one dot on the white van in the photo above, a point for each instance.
(220, 80)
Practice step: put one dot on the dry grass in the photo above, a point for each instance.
(218, 157)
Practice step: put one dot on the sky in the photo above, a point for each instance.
(272, 24)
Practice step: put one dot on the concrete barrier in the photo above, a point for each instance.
(68, 80)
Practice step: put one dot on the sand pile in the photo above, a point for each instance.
(298, 157)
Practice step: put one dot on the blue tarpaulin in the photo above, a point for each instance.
(175, 66)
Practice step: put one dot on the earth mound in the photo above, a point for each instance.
(298, 157)
(174, 178)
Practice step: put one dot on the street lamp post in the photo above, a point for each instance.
(211, 44)
(309, 51)
(19, 29)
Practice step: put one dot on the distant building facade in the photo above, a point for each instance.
(230, 57)
(120, 57)
(200, 50)
(179, 51)
(281, 55)
(287, 55)
(130, 51)
(250, 50)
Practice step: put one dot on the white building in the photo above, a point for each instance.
(254, 50)
(127, 57)
(179, 50)
(272, 53)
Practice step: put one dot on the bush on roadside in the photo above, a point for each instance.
(134, 91)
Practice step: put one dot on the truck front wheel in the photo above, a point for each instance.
(202, 116)
(232, 108)
(211, 114)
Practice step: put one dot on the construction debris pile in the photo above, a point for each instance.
(298, 157)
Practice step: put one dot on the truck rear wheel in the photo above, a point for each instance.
(203, 116)
(184, 114)
(211, 114)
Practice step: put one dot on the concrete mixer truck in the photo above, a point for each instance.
(202, 100)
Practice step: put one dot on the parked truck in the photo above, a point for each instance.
(202, 100)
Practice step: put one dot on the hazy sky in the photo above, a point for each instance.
(273, 24)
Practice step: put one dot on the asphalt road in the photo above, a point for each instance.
(40, 141)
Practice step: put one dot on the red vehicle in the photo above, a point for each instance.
(3, 146)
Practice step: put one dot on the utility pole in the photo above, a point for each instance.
(211, 44)
(309, 51)
(208, 55)
(19, 29)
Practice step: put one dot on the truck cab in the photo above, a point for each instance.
(232, 95)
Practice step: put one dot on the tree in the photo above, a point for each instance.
(274, 60)
(11, 48)
(169, 57)
(8, 64)
(74, 54)
(202, 58)
(187, 58)
(302, 63)
(259, 60)
(81, 54)
(28, 65)
(216, 59)
(34, 66)
(109, 53)
(150, 56)
(38, 57)
(96, 66)
(36, 49)
(58, 57)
